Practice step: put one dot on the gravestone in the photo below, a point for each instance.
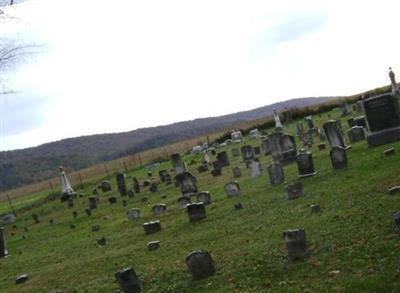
(3, 245)
(204, 197)
(238, 206)
(121, 184)
(300, 128)
(183, 201)
(136, 185)
(351, 122)
(105, 186)
(359, 106)
(235, 152)
(356, 133)
(275, 172)
(177, 163)
(159, 209)
(278, 124)
(345, 109)
(153, 187)
(21, 279)
(360, 121)
(163, 174)
(295, 190)
(200, 264)
(305, 165)
(133, 214)
(112, 199)
(296, 245)
(232, 189)
(383, 119)
(247, 152)
(187, 182)
(283, 147)
(338, 157)
(315, 208)
(321, 134)
(222, 158)
(389, 152)
(196, 211)
(153, 245)
(265, 147)
(255, 169)
(102, 241)
(310, 124)
(8, 218)
(216, 172)
(66, 189)
(203, 168)
(128, 281)
(321, 146)
(152, 227)
(88, 211)
(146, 183)
(257, 151)
(334, 133)
(237, 172)
(93, 202)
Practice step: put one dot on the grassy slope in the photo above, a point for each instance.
(354, 234)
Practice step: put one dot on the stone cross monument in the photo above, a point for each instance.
(66, 189)
(278, 124)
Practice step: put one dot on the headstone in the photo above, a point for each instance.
(232, 189)
(66, 189)
(163, 174)
(383, 117)
(394, 190)
(153, 187)
(255, 169)
(93, 202)
(121, 184)
(178, 164)
(105, 186)
(265, 147)
(237, 172)
(315, 208)
(300, 128)
(159, 209)
(146, 183)
(338, 157)
(152, 227)
(187, 182)
(112, 199)
(204, 197)
(235, 152)
(393, 83)
(296, 245)
(282, 147)
(133, 214)
(102, 241)
(295, 190)
(305, 165)
(153, 245)
(183, 201)
(360, 106)
(351, 122)
(216, 172)
(136, 185)
(88, 211)
(345, 109)
(247, 152)
(3, 245)
(310, 124)
(222, 158)
(257, 150)
(360, 121)
(275, 172)
(196, 211)
(278, 124)
(128, 281)
(203, 168)
(21, 279)
(8, 218)
(321, 134)
(389, 152)
(200, 264)
(396, 218)
(334, 133)
(356, 133)
(238, 206)
(236, 135)
(35, 218)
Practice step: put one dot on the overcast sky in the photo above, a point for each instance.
(111, 66)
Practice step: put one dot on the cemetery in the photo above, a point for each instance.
(311, 207)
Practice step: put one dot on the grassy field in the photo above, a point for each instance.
(353, 242)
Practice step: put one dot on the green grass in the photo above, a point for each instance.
(354, 233)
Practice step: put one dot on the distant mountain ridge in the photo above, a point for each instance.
(20, 167)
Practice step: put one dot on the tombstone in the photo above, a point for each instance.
(204, 197)
(21, 279)
(345, 109)
(315, 208)
(257, 150)
(146, 183)
(321, 146)
(321, 134)
(203, 168)
(66, 189)
(237, 172)
(359, 106)
(163, 174)
(275, 172)
(356, 133)
(196, 211)
(278, 124)
(8, 218)
(183, 201)
(300, 128)
(310, 124)
(216, 172)
(383, 119)
(178, 164)
(232, 189)
(136, 185)
(351, 122)
(296, 245)
(200, 264)
(152, 227)
(334, 133)
(222, 158)
(153, 187)
(105, 186)
(265, 147)
(3, 245)
(235, 152)
(187, 182)
(153, 245)
(282, 147)
(360, 121)
(128, 281)
(112, 199)
(121, 184)
(247, 152)
(394, 190)
(93, 202)
(35, 218)
(159, 209)
(389, 152)
(236, 135)
(88, 211)
(396, 218)
(133, 214)
(216, 165)
(255, 169)
(102, 241)
(305, 165)
(238, 206)
(295, 190)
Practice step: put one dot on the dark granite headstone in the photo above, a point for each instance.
(237, 172)
(200, 264)
(204, 197)
(187, 182)
(295, 190)
(183, 201)
(305, 165)
(338, 157)
(121, 184)
(93, 202)
(152, 227)
(105, 186)
(159, 209)
(153, 245)
(276, 174)
(177, 163)
(223, 159)
(128, 281)
(334, 133)
(196, 211)
(136, 185)
(296, 245)
(356, 133)
(247, 152)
